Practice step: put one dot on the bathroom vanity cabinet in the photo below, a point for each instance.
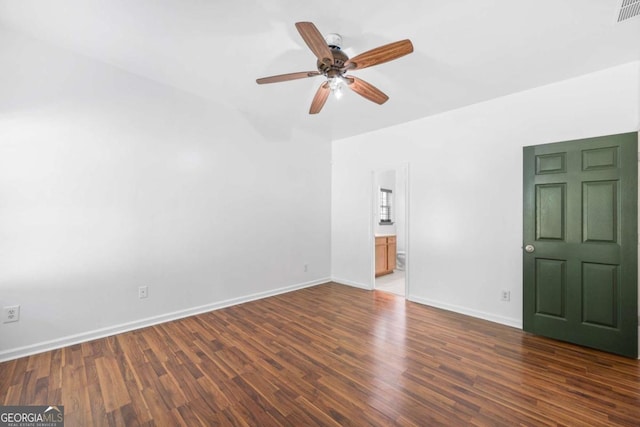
(385, 255)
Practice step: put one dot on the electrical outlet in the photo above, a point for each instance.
(505, 296)
(143, 292)
(11, 314)
(306, 268)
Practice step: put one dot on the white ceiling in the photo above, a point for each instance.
(466, 51)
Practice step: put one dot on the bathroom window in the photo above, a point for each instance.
(385, 207)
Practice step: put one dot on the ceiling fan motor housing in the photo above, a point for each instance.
(337, 68)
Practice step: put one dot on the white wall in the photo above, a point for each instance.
(466, 187)
(109, 181)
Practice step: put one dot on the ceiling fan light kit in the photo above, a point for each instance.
(333, 63)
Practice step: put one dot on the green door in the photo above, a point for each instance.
(581, 242)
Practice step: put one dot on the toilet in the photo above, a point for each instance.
(400, 260)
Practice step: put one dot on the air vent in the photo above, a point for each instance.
(628, 9)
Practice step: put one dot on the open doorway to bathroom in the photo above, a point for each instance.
(390, 230)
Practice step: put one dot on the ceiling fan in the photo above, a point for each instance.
(333, 63)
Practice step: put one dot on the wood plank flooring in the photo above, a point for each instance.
(329, 355)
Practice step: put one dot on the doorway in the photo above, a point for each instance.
(389, 228)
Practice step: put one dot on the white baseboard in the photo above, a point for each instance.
(149, 321)
(351, 283)
(508, 321)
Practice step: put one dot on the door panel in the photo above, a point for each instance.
(600, 294)
(600, 158)
(550, 205)
(580, 220)
(550, 163)
(600, 211)
(551, 280)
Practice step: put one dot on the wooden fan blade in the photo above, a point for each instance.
(286, 77)
(380, 55)
(366, 90)
(321, 97)
(315, 41)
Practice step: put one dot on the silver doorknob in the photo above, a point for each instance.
(529, 248)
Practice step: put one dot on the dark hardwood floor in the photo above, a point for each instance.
(328, 355)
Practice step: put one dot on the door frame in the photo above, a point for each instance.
(404, 169)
